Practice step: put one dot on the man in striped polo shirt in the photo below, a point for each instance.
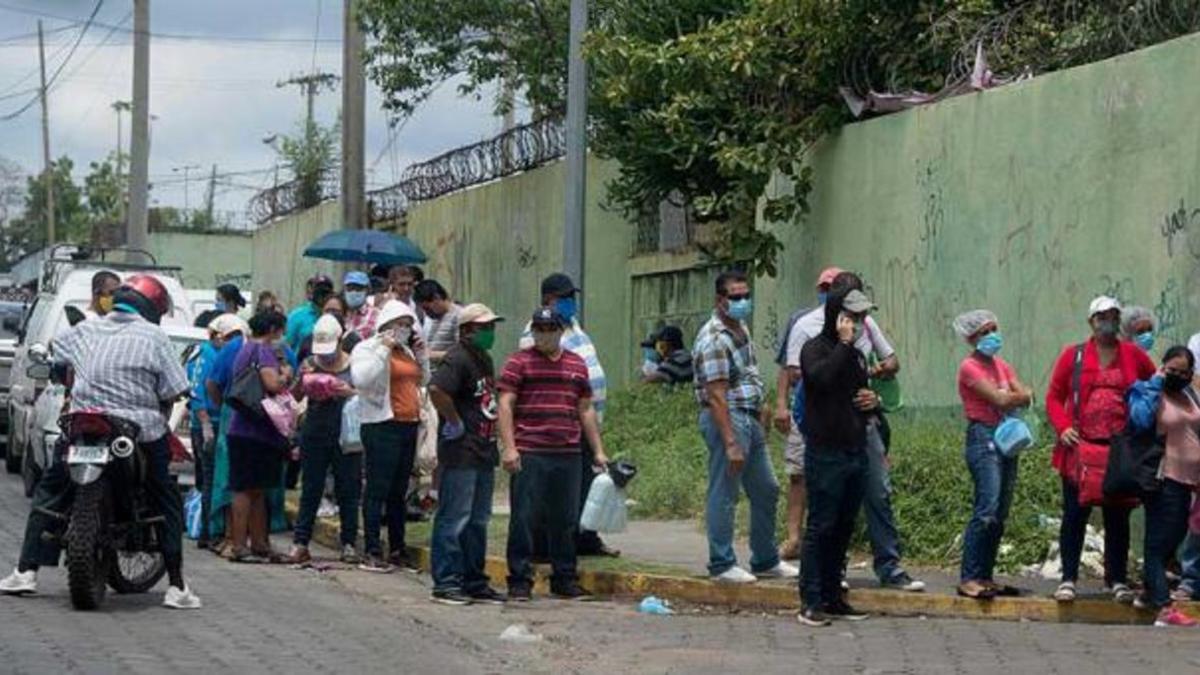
(545, 412)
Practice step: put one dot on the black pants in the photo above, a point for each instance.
(390, 449)
(546, 489)
(1074, 530)
(205, 458)
(55, 493)
(586, 541)
(836, 480)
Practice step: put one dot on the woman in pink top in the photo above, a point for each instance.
(1167, 406)
(989, 390)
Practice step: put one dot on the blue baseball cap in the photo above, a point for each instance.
(357, 278)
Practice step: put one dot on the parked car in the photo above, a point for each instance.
(49, 406)
(65, 292)
(11, 314)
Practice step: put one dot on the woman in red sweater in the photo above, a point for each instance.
(1107, 366)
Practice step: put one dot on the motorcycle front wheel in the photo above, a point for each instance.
(87, 551)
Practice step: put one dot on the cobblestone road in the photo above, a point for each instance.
(275, 619)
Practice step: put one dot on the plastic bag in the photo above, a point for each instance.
(605, 509)
(193, 512)
(427, 436)
(351, 436)
(282, 409)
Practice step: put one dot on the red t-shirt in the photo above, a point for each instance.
(546, 414)
(973, 369)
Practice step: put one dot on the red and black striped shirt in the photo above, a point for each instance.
(546, 414)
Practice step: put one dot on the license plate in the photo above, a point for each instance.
(87, 454)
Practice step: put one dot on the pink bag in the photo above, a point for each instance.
(320, 386)
(281, 410)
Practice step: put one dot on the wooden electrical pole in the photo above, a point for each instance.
(48, 168)
(353, 121)
(310, 85)
(137, 227)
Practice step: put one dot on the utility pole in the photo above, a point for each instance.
(120, 107)
(187, 175)
(48, 170)
(310, 85)
(353, 120)
(212, 192)
(576, 133)
(137, 227)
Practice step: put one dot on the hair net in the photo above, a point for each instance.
(1131, 316)
(969, 323)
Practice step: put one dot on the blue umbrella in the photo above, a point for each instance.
(366, 246)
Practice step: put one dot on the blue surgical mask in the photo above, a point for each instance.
(356, 299)
(822, 296)
(566, 308)
(1145, 340)
(219, 306)
(990, 344)
(740, 310)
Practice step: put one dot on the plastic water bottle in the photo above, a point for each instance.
(601, 496)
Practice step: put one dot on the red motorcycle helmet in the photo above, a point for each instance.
(146, 294)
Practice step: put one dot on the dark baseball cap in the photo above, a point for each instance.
(545, 316)
(559, 284)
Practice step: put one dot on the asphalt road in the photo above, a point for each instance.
(275, 619)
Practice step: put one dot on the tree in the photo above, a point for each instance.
(28, 232)
(310, 155)
(422, 43)
(105, 191)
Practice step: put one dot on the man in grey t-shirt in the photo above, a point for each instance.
(441, 333)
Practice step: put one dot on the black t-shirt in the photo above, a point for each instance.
(467, 376)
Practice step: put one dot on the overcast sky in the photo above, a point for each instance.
(214, 94)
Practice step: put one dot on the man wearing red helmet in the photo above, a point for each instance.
(123, 364)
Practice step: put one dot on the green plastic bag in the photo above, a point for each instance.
(891, 397)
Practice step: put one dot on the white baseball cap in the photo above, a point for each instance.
(1102, 304)
(326, 335)
(225, 324)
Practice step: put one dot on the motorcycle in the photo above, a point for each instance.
(111, 539)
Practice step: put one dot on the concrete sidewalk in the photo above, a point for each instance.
(677, 550)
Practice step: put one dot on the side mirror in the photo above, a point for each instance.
(39, 372)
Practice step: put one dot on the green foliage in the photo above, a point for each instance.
(105, 191)
(657, 429)
(27, 233)
(310, 155)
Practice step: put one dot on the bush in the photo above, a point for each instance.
(656, 429)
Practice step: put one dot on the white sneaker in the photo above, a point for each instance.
(19, 583)
(781, 571)
(735, 575)
(181, 599)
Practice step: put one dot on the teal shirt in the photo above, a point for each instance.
(300, 324)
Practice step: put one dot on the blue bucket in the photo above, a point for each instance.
(1013, 436)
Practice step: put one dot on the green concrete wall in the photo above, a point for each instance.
(1028, 200)
(208, 260)
(278, 261)
(494, 243)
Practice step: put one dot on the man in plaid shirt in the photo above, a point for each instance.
(730, 392)
(363, 315)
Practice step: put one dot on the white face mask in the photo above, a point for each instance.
(402, 334)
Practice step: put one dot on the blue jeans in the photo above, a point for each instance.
(316, 459)
(1189, 561)
(1166, 526)
(460, 529)
(994, 476)
(835, 478)
(877, 503)
(756, 477)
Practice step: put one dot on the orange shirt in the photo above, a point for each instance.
(406, 378)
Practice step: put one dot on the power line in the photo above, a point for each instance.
(25, 36)
(178, 36)
(50, 82)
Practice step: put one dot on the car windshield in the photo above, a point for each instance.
(11, 314)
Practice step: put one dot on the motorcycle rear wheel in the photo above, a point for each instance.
(136, 571)
(88, 558)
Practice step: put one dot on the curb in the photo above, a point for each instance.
(778, 596)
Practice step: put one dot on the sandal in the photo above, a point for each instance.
(976, 590)
(247, 558)
(1065, 592)
(1003, 590)
(271, 556)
